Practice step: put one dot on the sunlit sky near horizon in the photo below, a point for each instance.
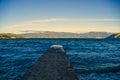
(18, 16)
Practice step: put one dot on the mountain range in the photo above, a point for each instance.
(50, 34)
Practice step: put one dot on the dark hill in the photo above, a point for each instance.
(4, 36)
(114, 36)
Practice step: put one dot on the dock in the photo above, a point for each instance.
(53, 65)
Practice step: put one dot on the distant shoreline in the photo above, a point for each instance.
(52, 38)
(89, 35)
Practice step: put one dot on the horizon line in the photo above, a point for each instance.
(24, 32)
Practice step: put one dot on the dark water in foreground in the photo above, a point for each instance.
(93, 59)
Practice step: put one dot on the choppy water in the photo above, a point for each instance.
(93, 59)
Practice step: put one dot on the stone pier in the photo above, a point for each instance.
(53, 65)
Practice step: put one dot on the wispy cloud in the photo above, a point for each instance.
(96, 19)
(67, 20)
(43, 24)
(27, 23)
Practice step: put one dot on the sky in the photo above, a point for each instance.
(78, 16)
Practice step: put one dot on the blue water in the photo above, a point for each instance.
(93, 59)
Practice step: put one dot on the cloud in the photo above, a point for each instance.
(96, 19)
(68, 20)
(27, 23)
(50, 24)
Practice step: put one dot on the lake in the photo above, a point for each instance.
(93, 59)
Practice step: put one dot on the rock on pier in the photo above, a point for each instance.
(53, 65)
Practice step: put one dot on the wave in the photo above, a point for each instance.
(99, 71)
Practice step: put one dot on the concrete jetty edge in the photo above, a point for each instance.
(53, 65)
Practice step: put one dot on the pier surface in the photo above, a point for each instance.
(53, 65)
